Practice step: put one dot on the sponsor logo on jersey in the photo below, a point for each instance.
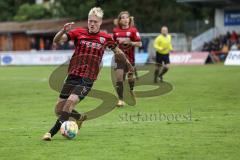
(91, 44)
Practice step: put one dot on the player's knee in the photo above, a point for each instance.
(71, 103)
(58, 112)
(74, 98)
(157, 65)
(119, 79)
(166, 68)
(130, 76)
(59, 107)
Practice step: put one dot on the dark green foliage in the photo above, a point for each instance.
(9, 8)
(32, 12)
(149, 15)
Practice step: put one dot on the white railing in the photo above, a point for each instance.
(207, 36)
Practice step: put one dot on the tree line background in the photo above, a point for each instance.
(149, 15)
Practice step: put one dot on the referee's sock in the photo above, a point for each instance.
(164, 70)
(156, 74)
(64, 117)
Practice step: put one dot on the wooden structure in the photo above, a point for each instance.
(20, 35)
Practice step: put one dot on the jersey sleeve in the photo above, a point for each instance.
(135, 35)
(72, 34)
(114, 35)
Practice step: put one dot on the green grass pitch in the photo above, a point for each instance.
(211, 92)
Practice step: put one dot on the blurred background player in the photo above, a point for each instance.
(84, 66)
(127, 37)
(163, 46)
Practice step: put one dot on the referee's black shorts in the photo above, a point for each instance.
(162, 58)
(80, 86)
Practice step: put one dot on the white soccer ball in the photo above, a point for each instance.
(69, 129)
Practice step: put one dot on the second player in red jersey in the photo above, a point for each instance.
(123, 37)
(127, 38)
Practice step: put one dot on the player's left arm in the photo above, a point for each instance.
(132, 43)
(111, 44)
(136, 44)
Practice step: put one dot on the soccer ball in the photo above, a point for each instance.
(69, 129)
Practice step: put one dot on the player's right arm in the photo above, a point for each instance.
(61, 36)
(122, 58)
(118, 52)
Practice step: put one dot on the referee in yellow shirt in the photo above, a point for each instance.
(163, 46)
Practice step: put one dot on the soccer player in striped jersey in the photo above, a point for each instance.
(84, 66)
(127, 37)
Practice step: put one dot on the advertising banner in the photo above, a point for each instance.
(233, 58)
(189, 58)
(232, 18)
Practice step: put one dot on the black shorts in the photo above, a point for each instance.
(162, 58)
(76, 85)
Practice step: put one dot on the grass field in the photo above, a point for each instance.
(211, 92)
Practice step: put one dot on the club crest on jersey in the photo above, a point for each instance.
(128, 34)
(102, 39)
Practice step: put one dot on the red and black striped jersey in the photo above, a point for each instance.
(89, 50)
(131, 34)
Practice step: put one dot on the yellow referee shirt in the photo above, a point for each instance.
(163, 44)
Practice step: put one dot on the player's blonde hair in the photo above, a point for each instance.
(131, 18)
(96, 11)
